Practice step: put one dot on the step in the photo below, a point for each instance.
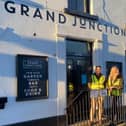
(122, 124)
(86, 123)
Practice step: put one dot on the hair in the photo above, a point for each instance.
(97, 67)
(114, 72)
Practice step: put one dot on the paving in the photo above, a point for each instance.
(86, 123)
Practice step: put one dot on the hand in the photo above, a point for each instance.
(119, 87)
(89, 85)
(116, 87)
(110, 88)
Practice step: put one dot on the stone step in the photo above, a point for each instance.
(86, 123)
(122, 124)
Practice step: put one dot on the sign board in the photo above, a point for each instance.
(32, 77)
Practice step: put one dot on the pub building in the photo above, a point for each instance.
(46, 45)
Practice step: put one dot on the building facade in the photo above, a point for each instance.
(73, 35)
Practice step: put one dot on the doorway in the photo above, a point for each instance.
(79, 66)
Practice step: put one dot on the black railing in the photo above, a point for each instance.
(114, 109)
(78, 111)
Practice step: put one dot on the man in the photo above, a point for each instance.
(96, 85)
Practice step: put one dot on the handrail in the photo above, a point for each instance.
(78, 95)
(78, 110)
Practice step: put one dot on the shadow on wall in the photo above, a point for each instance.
(17, 44)
(32, 43)
(12, 44)
(108, 56)
(105, 12)
(107, 18)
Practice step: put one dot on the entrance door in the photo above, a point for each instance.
(79, 66)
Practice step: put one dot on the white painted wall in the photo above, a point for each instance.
(17, 37)
(112, 12)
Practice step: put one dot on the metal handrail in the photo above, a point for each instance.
(77, 96)
(78, 111)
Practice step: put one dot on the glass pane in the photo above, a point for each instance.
(85, 6)
(77, 48)
(69, 69)
(72, 4)
(80, 5)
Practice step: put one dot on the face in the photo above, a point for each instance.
(116, 71)
(98, 70)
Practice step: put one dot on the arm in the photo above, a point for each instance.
(120, 86)
(108, 86)
(89, 82)
(89, 85)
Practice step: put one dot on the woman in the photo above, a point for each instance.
(114, 86)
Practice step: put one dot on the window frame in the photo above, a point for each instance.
(81, 13)
(73, 5)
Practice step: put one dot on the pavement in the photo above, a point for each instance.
(122, 124)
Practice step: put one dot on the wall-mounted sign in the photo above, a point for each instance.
(32, 77)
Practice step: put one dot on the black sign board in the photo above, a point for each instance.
(32, 77)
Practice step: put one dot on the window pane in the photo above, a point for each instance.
(79, 5)
(87, 6)
(77, 48)
(72, 4)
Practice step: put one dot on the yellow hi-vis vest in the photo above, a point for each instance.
(97, 84)
(115, 92)
(70, 87)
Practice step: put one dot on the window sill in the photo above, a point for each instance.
(80, 14)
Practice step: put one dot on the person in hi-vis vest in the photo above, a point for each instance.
(114, 85)
(70, 92)
(96, 86)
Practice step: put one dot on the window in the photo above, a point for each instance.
(77, 48)
(79, 5)
(80, 8)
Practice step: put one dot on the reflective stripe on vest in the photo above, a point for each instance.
(97, 83)
(117, 82)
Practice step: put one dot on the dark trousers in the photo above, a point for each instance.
(116, 106)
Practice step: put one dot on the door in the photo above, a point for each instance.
(79, 67)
